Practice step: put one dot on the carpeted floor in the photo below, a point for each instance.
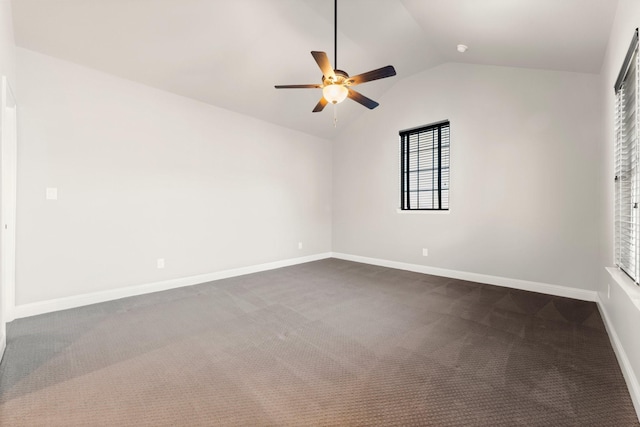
(325, 343)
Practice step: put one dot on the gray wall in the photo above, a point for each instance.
(143, 174)
(525, 162)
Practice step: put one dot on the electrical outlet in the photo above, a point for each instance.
(160, 263)
(425, 252)
(299, 245)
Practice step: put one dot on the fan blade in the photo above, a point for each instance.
(380, 73)
(323, 62)
(298, 86)
(358, 97)
(320, 105)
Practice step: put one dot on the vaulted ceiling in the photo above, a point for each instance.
(231, 53)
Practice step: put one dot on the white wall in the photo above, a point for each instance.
(525, 147)
(7, 42)
(144, 174)
(623, 315)
(7, 68)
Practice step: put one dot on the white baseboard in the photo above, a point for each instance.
(625, 365)
(48, 306)
(42, 307)
(525, 285)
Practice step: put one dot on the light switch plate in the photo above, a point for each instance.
(52, 193)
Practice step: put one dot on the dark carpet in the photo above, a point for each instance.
(324, 343)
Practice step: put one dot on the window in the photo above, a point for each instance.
(627, 157)
(424, 167)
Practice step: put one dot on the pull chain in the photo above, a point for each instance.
(335, 115)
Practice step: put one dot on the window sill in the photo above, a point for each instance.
(434, 212)
(626, 284)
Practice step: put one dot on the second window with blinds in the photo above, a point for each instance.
(627, 152)
(424, 168)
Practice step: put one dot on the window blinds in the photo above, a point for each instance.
(627, 161)
(424, 167)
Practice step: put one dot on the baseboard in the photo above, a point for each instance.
(525, 285)
(625, 365)
(42, 307)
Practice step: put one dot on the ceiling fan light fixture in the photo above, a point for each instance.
(335, 93)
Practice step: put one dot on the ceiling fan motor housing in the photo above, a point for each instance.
(342, 78)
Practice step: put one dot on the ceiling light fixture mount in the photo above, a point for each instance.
(336, 84)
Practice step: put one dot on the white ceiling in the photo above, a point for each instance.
(232, 53)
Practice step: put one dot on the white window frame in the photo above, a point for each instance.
(627, 164)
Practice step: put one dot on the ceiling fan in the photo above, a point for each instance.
(336, 84)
